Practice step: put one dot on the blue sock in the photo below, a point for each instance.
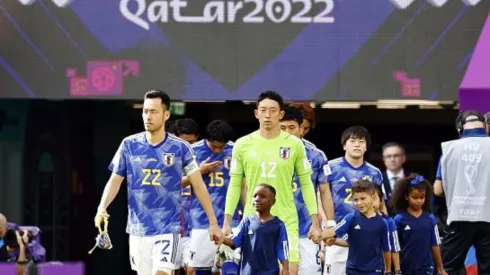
(203, 272)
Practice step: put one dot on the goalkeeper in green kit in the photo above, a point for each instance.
(272, 156)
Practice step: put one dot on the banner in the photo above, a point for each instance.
(319, 50)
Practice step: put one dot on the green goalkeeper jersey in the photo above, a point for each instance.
(274, 162)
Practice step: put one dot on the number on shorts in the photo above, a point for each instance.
(349, 196)
(165, 244)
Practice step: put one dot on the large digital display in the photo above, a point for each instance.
(319, 50)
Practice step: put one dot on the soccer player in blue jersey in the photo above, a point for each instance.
(262, 237)
(345, 171)
(217, 147)
(309, 252)
(417, 227)
(367, 234)
(153, 163)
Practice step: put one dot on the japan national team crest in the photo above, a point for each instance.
(227, 162)
(168, 159)
(285, 152)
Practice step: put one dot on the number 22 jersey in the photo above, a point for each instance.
(153, 176)
(341, 179)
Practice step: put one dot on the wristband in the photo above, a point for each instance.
(398, 272)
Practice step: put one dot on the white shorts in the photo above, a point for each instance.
(309, 254)
(150, 254)
(203, 251)
(183, 254)
(335, 260)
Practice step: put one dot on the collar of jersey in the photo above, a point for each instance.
(281, 133)
(477, 132)
(350, 165)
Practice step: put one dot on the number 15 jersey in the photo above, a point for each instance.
(341, 179)
(153, 176)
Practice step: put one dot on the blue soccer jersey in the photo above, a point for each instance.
(320, 171)
(217, 184)
(263, 244)
(368, 238)
(154, 174)
(417, 237)
(341, 179)
(186, 211)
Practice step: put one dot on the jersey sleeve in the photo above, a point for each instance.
(118, 163)
(343, 227)
(439, 173)
(385, 240)
(240, 234)
(236, 177)
(282, 244)
(325, 170)
(435, 239)
(394, 243)
(378, 178)
(189, 163)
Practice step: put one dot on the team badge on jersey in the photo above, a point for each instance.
(227, 162)
(168, 159)
(285, 152)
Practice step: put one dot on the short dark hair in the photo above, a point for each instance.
(363, 186)
(355, 132)
(393, 144)
(462, 118)
(219, 130)
(272, 95)
(269, 187)
(292, 113)
(307, 111)
(159, 94)
(186, 126)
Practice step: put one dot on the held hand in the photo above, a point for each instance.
(226, 230)
(331, 241)
(442, 272)
(207, 167)
(215, 234)
(315, 234)
(285, 271)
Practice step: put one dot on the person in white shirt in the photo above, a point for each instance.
(393, 157)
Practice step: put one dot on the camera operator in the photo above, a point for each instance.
(16, 246)
(464, 179)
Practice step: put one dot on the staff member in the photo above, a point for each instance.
(464, 178)
(393, 158)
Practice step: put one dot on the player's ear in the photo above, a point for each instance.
(166, 115)
(256, 113)
(281, 114)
